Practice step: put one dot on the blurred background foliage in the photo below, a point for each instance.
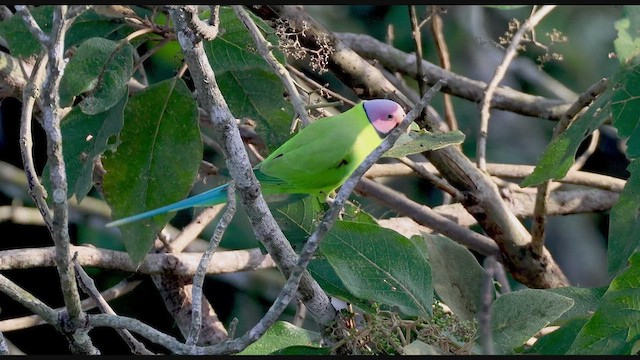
(472, 33)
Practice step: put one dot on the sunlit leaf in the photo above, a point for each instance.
(281, 336)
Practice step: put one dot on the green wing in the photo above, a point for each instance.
(321, 156)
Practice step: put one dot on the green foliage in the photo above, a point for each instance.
(518, 315)
(160, 145)
(614, 326)
(559, 155)
(23, 44)
(100, 70)
(457, 276)
(380, 265)
(248, 83)
(86, 137)
(281, 336)
(417, 142)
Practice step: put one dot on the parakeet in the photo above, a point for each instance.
(315, 161)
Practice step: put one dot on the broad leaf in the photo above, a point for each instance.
(248, 83)
(457, 276)
(614, 327)
(417, 142)
(518, 315)
(559, 155)
(331, 283)
(281, 336)
(156, 162)
(85, 137)
(378, 264)
(100, 69)
(586, 301)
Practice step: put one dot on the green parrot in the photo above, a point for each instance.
(315, 161)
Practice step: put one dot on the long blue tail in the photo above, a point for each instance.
(208, 198)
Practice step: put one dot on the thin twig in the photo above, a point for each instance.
(30, 93)
(484, 316)
(323, 89)
(501, 70)
(436, 181)
(264, 47)
(29, 301)
(32, 25)
(428, 217)
(445, 63)
(198, 278)
(300, 315)
(25, 322)
(540, 209)
(89, 287)
(417, 39)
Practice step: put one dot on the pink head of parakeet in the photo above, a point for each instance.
(384, 115)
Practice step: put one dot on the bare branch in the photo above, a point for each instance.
(504, 98)
(501, 70)
(198, 278)
(123, 287)
(89, 287)
(183, 264)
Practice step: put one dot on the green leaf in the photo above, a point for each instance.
(100, 69)
(380, 265)
(624, 228)
(303, 350)
(331, 283)
(586, 301)
(296, 216)
(559, 341)
(457, 276)
(280, 336)
(418, 142)
(559, 155)
(85, 137)
(614, 327)
(250, 87)
(518, 315)
(627, 44)
(90, 25)
(156, 161)
(21, 43)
